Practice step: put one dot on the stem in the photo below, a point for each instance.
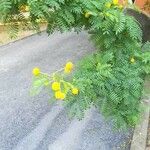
(59, 70)
(50, 76)
(46, 74)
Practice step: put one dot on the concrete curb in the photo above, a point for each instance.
(140, 133)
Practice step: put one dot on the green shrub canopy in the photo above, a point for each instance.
(112, 78)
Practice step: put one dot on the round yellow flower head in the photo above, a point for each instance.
(55, 86)
(115, 2)
(36, 71)
(60, 95)
(68, 67)
(75, 91)
(63, 96)
(132, 60)
(108, 5)
(87, 14)
(27, 8)
(24, 8)
(67, 70)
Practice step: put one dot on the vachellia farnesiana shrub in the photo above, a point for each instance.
(111, 78)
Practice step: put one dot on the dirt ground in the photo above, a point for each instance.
(5, 38)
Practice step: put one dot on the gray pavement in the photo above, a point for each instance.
(30, 123)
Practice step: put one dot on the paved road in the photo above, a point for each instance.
(30, 123)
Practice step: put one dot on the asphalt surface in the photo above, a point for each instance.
(31, 123)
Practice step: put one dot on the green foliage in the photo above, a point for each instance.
(38, 84)
(112, 78)
(115, 90)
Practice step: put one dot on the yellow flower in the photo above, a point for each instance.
(27, 8)
(36, 71)
(132, 60)
(67, 70)
(87, 14)
(24, 8)
(63, 96)
(60, 95)
(55, 86)
(115, 2)
(108, 5)
(75, 91)
(68, 67)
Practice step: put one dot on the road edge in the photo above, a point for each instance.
(140, 132)
(20, 39)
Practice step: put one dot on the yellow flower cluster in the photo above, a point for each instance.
(68, 67)
(55, 86)
(132, 60)
(36, 71)
(114, 2)
(58, 85)
(87, 14)
(60, 95)
(24, 8)
(57, 89)
(75, 91)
